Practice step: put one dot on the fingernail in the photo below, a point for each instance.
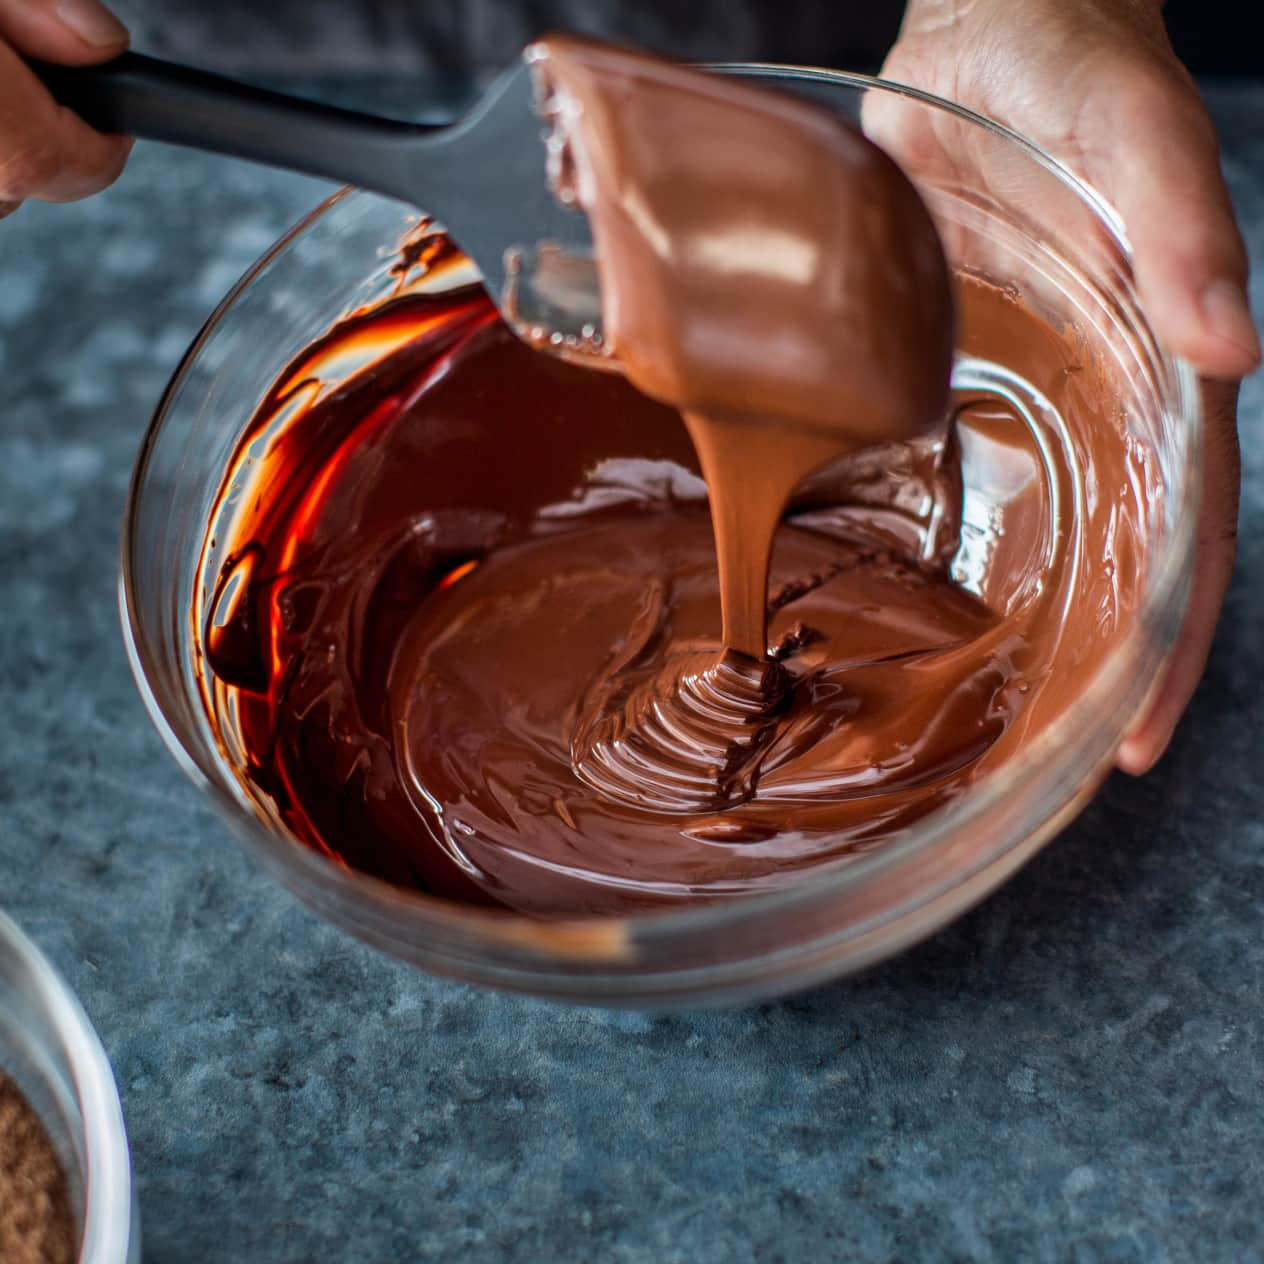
(92, 22)
(1226, 312)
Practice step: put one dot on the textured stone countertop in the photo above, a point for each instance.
(1073, 1071)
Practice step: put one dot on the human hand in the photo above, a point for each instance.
(46, 151)
(1096, 84)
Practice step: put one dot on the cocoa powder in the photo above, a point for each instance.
(36, 1224)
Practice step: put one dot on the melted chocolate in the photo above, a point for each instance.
(429, 577)
(480, 626)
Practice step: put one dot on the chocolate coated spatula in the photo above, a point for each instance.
(484, 177)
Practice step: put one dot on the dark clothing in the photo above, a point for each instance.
(455, 39)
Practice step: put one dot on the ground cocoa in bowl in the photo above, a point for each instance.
(36, 1224)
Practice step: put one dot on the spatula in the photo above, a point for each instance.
(483, 177)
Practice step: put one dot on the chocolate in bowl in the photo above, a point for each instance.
(803, 923)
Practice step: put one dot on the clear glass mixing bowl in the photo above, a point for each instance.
(1008, 212)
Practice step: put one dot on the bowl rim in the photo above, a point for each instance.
(109, 1233)
(303, 868)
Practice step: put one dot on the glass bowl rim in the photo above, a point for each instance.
(1163, 604)
(109, 1228)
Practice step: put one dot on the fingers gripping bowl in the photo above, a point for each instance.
(1012, 220)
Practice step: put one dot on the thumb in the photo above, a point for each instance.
(69, 32)
(1158, 161)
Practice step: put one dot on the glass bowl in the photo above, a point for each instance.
(1008, 212)
(48, 1048)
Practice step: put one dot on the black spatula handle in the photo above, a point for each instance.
(156, 100)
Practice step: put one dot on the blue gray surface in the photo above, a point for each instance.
(1074, 1071)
